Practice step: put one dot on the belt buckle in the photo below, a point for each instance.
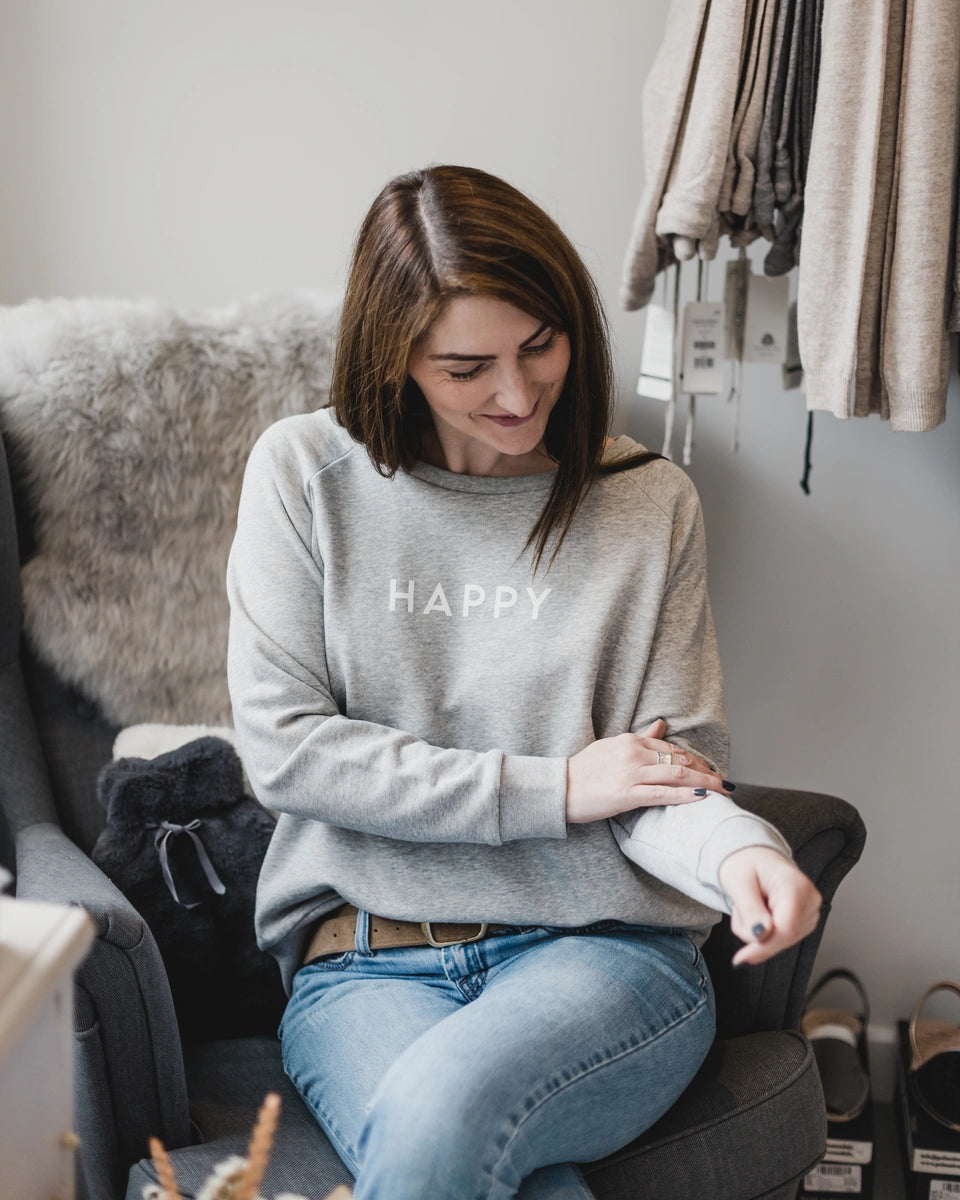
(427, 928)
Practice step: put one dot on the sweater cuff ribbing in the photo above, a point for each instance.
(533, 798)
(733, 834)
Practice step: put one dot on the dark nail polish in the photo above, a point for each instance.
(699, 791)
(730, 787)
(758, 930)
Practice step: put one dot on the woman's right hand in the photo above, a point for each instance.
(617, 774)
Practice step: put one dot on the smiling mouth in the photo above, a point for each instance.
(509, 422)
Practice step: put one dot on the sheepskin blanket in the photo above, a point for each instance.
(129, 425)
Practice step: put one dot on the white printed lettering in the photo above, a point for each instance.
(476, 599)
(536, 600)
(438, 602)
(396, 595)
(506, 597)
(473, 597)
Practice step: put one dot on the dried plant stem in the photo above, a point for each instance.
(164, 1166)
(261, 1143)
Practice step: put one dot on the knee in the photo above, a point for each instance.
(422, 1138)
(415, 1118)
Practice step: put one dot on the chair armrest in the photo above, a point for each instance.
(130, 1081)
(826, 835)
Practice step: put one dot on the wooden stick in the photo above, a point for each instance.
(261, 1143)
(164, 1167)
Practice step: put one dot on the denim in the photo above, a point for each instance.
(483, 1071)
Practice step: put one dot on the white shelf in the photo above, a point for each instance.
(40, 944)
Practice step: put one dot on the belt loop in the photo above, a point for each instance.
(361, 937)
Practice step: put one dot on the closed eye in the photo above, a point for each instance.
(544, 346)
(463, 376)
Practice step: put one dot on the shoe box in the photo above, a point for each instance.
(847, 1167)
(931, 1151)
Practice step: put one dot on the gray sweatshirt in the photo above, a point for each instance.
(406, 691)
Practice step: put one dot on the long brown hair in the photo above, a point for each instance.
(445, 231)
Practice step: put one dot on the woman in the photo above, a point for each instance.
(462, 626)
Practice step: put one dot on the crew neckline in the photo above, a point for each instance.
(505, 484)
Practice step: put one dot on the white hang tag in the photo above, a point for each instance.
(765, 333)
(656, 361)
(701, 371)
(792, 367)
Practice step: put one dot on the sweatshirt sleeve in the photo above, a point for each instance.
(685, 844)
(306, 758)
(682, 682)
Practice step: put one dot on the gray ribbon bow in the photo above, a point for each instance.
(160, 839)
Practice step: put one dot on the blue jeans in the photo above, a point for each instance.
(482, 1071)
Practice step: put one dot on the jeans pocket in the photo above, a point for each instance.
(333, 962)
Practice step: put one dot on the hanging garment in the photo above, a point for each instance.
(745, 150)
(840, 186)
(664, 104)
(784, 255)
(875, 260)
(915, 348)
(764, 199)
(869, 396)
(689, 208)
(749, 50)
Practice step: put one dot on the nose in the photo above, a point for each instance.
(515, 393)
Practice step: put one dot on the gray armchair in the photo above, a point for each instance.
(102, 408)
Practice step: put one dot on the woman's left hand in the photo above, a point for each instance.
(774, 903)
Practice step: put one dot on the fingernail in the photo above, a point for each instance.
(758, 930)
(730, 787)
(699, 791)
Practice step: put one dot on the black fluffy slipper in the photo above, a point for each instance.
(840, 1048)
(935, 1062)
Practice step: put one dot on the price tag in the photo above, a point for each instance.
(940, 1189)
(702, 365)
(842, 1180)
(792, 367)
(765, 333)
(735, 304)
(656, 361)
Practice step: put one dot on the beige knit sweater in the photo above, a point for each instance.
(915, 351)
(878, 226)
(664, 106)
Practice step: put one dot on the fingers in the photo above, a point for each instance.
(679, 756)
(615, 774)
(771, 919)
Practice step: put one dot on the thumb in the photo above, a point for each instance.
(751, 919)
(655, 729)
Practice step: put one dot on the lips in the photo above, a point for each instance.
(511, 422)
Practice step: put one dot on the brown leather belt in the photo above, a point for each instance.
(337, 933)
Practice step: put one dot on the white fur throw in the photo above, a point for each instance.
(131, 425)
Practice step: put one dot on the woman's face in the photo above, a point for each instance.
(491, 375)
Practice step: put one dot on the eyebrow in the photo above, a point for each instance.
(488, 357)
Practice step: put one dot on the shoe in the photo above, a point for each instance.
(935, 1062)
(839, 1042)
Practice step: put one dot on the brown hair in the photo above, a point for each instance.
(445, 231)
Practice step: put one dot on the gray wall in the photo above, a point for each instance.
(199, 152)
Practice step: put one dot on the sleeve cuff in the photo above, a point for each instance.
(533, 798)
(736, 833)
